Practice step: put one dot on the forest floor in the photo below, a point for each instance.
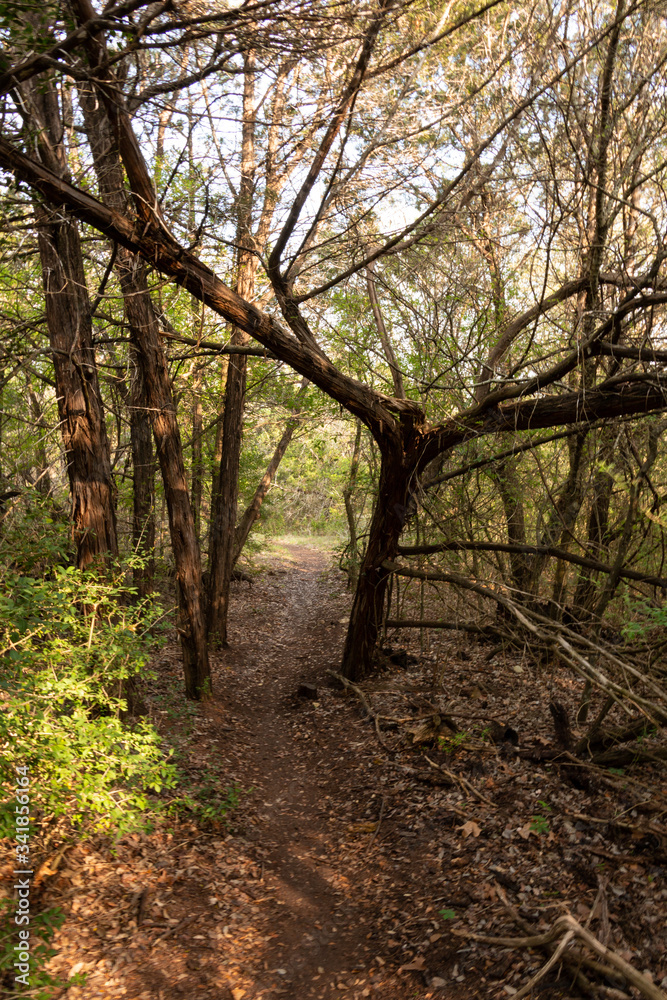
(357, 864)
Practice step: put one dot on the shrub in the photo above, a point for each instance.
(68, 645)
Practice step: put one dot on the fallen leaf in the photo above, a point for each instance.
(470, 829)
(415, 966)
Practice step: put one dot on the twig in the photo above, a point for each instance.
(377, 828)
(573, 964)
(462, 782)
(177, 927)
(348, 685)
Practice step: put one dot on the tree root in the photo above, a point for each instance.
(348, 685)
(567, 929)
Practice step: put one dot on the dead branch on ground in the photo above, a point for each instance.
(566, 928)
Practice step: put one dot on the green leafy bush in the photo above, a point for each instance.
(68, 646)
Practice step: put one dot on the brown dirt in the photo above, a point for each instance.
(300, 893)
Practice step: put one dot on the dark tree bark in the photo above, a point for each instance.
(385, 529)
(155, 386)
(69, 323)
(80, 409)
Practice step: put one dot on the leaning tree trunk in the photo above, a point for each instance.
(145, 336)
(391, 507)
(146, 342)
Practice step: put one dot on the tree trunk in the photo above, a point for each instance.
(79, 403)
(145, 338)
(598, 524)
(217, 453)
(221, 553)
(385, 530)
(506, 479)
(69, 323)
(144, 333)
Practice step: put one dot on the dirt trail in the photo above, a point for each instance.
(308, 784)
(274, 900)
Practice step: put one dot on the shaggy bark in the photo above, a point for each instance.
(154, 395)
(69, 323)
(79, 403)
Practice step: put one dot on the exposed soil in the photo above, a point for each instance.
(359, 866)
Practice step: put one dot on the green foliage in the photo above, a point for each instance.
(450, 744)
(652, 618)
(539, 822)
(447, 914)
(68, 645)
(307, 495)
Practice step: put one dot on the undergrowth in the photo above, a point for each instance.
(72, 646)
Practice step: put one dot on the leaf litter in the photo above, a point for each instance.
(358, 868)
